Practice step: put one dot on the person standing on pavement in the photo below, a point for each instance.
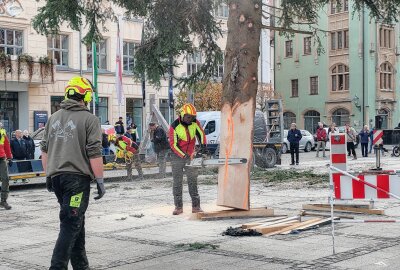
(30, 145)
(371, 140)
(5, 155)
(18, 146)
(71, 156)
(364, 137)
(321, 139)
(133, 132)
(161, 146)
(182, 139)
(119, 126)
(294, 137)
(128, 133)
(351, 139)
(127, 150)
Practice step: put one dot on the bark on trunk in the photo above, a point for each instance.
(239, 101)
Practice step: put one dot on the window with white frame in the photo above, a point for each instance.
(11, 41)
(307, 45)
(340, 40)
(386, 37)
(101, 54)
(386, 77)
(219, 70)
(340, 78)
(314, 85)
(129, 56)
(339, 6)
(57, 49)
(194, 62)
(289, 48)
(222, 10)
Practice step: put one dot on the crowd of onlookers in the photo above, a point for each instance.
(22, 145)
(322, 135)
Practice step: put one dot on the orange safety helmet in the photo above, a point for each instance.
(112, 138)
(81, 86)
(189, 109)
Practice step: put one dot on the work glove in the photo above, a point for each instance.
(10, 162)
(49, 184)
(101, 190)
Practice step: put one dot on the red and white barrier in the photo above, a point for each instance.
(338, 151)
(377, 137)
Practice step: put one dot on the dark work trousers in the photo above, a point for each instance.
(351, 149)
(72, 193)
(162, 162)
(178, 166)
(364, 149)
(294, 148)
(5, 187)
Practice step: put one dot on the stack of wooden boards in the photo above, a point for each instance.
(345, 208)
(235, 213)
(285, 225)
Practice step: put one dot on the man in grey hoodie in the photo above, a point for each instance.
(71, 155)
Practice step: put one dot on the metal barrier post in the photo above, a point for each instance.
(377, 149)
(332, 190)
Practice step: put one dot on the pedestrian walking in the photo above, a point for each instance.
(182, 138)
(71, 156)
(127, 150)
(371, 140)
(128, 133)
(30, 145)
(321, 139)
(351, 139)
(119, 126)
(134, 133)
(294, 137)
(18, 146)
(364, 138)
(161, 146)
(5, 159)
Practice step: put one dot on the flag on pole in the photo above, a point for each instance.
(171, 84)
(94, 76)
(143, 74)
(118, 67)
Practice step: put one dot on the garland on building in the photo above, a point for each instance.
(5, 64)
(29, 62)
(46, 67)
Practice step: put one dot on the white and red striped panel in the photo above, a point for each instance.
(349, 189)
(338, 151)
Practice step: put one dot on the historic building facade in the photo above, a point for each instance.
(352, 81)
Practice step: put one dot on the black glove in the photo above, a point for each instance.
(101, 190)
(49, 184)
(10, 162)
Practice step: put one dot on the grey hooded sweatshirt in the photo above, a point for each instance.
(71, 138)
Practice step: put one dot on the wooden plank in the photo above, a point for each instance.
(316, 223)
(253, 224)
(326, 214)
(294, 226)
(235, 213)
(274, 228)
(327, 205)
(346, 209)
(282, 221)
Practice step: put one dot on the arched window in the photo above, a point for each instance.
(288, 118)
(341, 117)
(386, 77)
(340, 78)
(384, 114)
(311, 119)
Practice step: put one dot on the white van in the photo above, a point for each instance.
(211, 123)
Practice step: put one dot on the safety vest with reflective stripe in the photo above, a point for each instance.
(182, 137)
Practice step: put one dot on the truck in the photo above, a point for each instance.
(268, 133)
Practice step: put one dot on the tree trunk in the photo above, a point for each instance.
(239, 101)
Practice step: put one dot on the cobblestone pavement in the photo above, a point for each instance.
(132, 228)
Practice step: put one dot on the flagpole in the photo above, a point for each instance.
(94, 80)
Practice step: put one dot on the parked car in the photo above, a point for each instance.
(306, 142)
(37, 136)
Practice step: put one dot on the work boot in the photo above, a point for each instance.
(177, 211)
(5, 205)
(197, 210)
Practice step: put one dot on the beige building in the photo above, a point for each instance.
(24, 102)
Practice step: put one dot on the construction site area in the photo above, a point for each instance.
(132, 226)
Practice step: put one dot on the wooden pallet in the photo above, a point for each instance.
(235, 213)
(362, 209)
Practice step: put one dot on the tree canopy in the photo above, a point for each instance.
(172, 26)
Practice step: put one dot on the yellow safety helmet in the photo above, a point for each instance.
(81, 86)
(188, 109)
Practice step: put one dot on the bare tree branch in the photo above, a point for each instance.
(275, 28)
